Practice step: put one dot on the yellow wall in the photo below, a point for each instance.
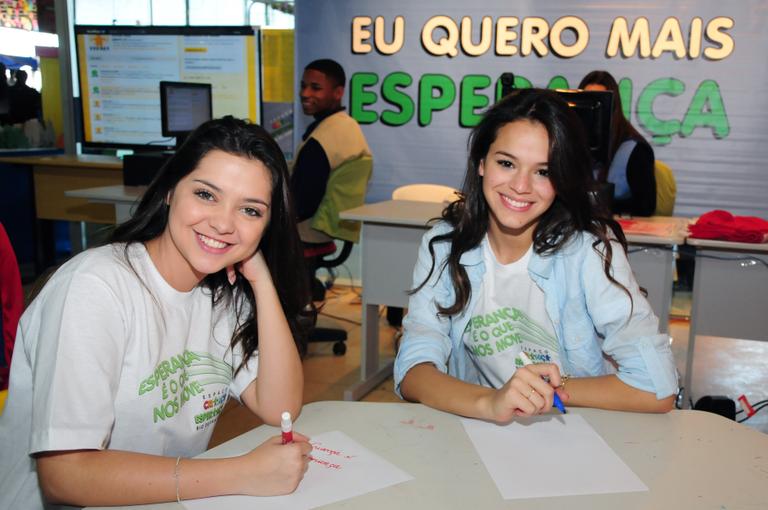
(277, 65)
(51, 96)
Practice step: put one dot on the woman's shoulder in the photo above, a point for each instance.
(105, 263)
(582, 244)
(438, 229)
(96, 274)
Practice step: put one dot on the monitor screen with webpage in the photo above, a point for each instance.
(120, 69)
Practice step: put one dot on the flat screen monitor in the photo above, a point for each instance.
(120, 69)
(183, 107)
(594, 109)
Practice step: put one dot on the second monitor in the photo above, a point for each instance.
(183, 107)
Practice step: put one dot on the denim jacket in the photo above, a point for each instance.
(591, 316)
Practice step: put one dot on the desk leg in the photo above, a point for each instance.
(695, 300)
(371, 374)
(654, 267)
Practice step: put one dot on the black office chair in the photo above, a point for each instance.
(345, 190)
(319, 256)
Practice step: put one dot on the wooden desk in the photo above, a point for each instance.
(730, 291)
(392, 231)
(688, 459)
(54, 175)
(51, 177)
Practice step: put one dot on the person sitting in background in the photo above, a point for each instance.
(334, 138)
(632, 159)
(4, 106)
(24, 100)
(330, 141)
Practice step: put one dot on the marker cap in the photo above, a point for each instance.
(285, 422)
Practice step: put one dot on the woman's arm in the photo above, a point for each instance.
(280, 382)
(609, 392)
(426, 334)
(646, 379)
(111, 477)
(525, 394)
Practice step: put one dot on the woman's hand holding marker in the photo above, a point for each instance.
(525, 394)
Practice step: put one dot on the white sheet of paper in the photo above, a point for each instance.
(550, 456)
(341, 469)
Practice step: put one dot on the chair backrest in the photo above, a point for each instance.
(346, 189)
(425, 193)
(666, 189)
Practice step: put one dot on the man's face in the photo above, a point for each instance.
(319, 94)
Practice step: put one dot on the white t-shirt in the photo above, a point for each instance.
(509, 316)
(110, 356)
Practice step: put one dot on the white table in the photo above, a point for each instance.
(124, 198)
(652, 257)
(392, 231)
(688, 459)
(390, 238)
(730, 294)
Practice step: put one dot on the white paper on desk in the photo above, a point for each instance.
(550, 456)
(341, 470)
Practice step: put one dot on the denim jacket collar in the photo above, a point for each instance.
(541, 266)
(472, 257)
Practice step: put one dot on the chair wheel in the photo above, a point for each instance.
(339, 348)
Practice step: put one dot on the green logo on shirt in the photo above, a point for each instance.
(181, 378)
(503, 329)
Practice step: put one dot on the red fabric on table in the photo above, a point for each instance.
(723, 225)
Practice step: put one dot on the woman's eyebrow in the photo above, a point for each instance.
(218, 190)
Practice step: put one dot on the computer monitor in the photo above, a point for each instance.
(183, 107)
(594, 108)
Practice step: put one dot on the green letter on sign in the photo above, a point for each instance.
(359, 97)
(706, 110)
(662, 129)
(558, 82)
(470, 101)
(396, 97)
(428, 102)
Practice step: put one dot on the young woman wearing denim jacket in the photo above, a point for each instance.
(524, 198)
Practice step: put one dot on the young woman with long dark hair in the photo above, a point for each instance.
(128, 354)
(524, 262)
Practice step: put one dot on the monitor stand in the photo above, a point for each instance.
(180, 139)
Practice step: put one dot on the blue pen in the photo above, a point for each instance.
(527, 361)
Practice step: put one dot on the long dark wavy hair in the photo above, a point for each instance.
(569, 171)
(621, 128)
(280, 243)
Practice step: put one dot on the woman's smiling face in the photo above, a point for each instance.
(516, 182)
(217, 216)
